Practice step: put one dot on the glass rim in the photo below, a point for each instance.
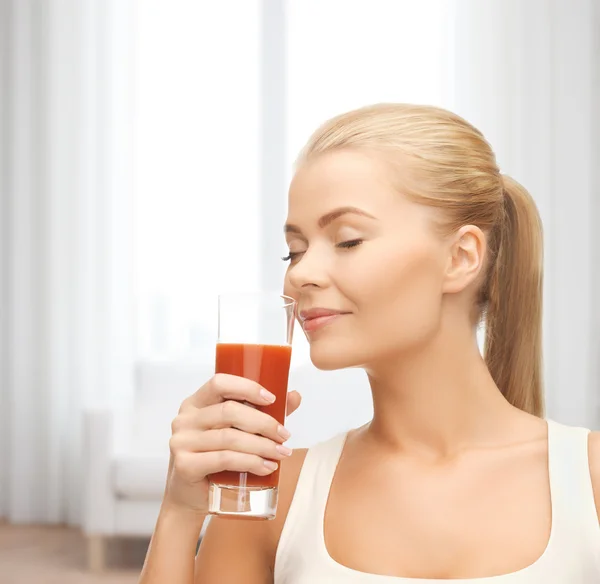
(257, 296)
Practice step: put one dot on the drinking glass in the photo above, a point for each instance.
(254, 341)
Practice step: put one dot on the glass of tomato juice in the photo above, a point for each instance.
(254, 341)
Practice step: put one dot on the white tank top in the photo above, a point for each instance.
(572, 555)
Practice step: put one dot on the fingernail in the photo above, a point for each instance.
(283, 450)
(270, 464)
(283, 432)
(267, 396)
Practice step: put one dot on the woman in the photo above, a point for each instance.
(403, 230)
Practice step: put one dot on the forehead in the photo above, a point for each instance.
(350, 178)
(342, 178)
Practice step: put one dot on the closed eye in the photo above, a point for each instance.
(292, 255)
(343, 245)
(350, 243)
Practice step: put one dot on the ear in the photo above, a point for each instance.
(465, 258)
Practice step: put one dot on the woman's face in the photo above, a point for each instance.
(366, 267)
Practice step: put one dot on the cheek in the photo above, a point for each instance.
(399, 296)
(288, 290)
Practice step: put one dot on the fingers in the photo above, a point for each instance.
(222, 387)
(220, 429)
(231, 414)
(294, 399)
(193, 467)
(229, 439)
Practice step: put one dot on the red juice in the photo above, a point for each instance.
(268, 365)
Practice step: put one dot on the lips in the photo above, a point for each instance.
(316, 318)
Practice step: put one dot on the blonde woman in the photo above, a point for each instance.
(403, 236)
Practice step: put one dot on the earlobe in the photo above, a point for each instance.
(465, 259)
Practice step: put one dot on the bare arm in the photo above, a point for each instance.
(234, 551)
(173, 547)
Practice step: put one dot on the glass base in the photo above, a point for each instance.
(242, 502)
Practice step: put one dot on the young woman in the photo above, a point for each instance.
(403, 237)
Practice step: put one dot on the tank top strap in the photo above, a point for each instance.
(573, 505)
(307, 508)
(323, 463)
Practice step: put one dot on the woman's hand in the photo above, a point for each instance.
(216, 431)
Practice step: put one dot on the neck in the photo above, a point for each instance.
(438, 401)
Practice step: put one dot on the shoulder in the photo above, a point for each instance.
(594, 457)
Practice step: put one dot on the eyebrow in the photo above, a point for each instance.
(329, 218)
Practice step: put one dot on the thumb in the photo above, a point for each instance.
(294, 399)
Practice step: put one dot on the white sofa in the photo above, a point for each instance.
(124, 477)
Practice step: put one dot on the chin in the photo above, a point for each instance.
(329, 356)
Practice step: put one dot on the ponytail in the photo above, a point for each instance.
(513, 315)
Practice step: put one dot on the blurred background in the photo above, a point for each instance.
(145, 151)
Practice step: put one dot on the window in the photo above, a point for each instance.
(196, 167)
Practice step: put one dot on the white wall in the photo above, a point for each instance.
(595, 219)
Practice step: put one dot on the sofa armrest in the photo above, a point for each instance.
(99, 498)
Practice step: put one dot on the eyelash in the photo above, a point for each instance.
(343, 245)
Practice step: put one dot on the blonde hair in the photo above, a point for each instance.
(456, 171)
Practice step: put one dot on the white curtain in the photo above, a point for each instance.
(528, 75)
(66, 228)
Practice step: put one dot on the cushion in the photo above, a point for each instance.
(140, 477)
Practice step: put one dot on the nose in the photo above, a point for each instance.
(309, 271)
